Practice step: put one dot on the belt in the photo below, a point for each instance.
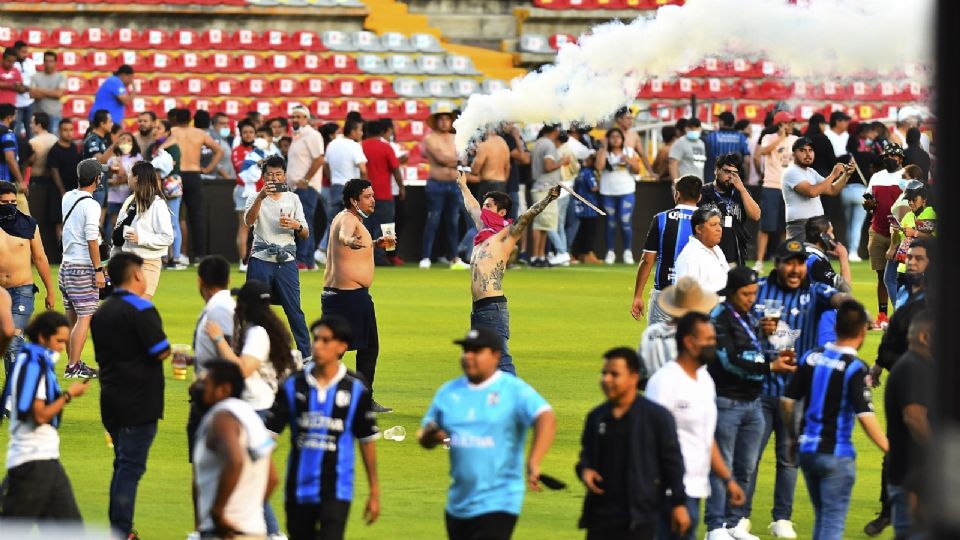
(489, 300)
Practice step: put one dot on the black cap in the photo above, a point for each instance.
(791, 249)
(480, 338)
(838, 116)
(737, 278)
(801, 142)
(891, 149)
(253, 291)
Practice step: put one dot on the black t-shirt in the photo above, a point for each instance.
(735, 235)
(513, 181)
(611, 507)
(819, 268)
(94, 144)
(128, 339)
(65, 160)
(909, 383)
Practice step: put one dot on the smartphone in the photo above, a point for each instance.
(828, 241)
(280, 187)
(868, 196)
(893, 220)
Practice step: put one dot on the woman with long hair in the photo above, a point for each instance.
(617, 165)
(145, 218)
(263, 348)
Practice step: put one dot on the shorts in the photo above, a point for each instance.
(773, 214)
(78, 286)
(356, 306)
(549, 219)
(877, 246)
(239, 201)
(151, 271)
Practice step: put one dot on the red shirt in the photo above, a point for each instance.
(11, 75)
(885, 187)
(236, 158)
(381, 162)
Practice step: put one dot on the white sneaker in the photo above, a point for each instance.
(610, 258)
(320, 256)
(278, 536)
(741, 534)
(560, 259)
(425, 263)
(627, 256)
(758, 267)
(443, 260)
(195, 535)
(243, 268)
(718, 534)
(184, 260)
(459, 265)
(744, 524)
(782, 528)
(853, 257)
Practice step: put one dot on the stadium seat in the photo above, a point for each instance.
(804, 111)
(461, 65)
(741, 67)
(215, 38)
(164, 86)
(715, 88)
(256, 87)
(203, 104)
(95, 38)
(774, 89)
(415, 110)
(139, 84)
(80, 125)
(191, 62)
(322, 108)
(155, 39)
(222, 63)
(770, 70)
(71, 61)
(552, 4)
(408, 87)
(36, 37)
(346, 87)
(685, 111)
(77, 85)
(335, 40)
(8, 36)
(132, 59)
(442, 105)
(754, 112)
(366, 41)
(651, 89)
(127, 38)
(887, 91)
(415, 129)
(287, 87)
(465, 87)
(401, 63)
(414, 155)
(353, 105)
(250, 63)
(163, 105)
(233, 108)
(184, 38)
(582, 4)
(396, 42)
(378, 88)
(489, 86)
(610, 4)
(266, 107)
(247, 40)
(280, 63)
(342, 63)
(800, 90)
(160, 62)
(830, 90)
(77, 106)
(311, 63)
(226, 87)
(866, 112)
(559, 40)
(439, 88)
(315, 86)
(277, 40)
(426, 43)
(912, 91)
(197, 86)
(535, 43)
(371, 63)
(305, 40)
(137, 105)
(748, 89)
(383, 108)
(431, 64)
(719, 107)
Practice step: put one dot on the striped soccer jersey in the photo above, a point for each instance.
(668, 235)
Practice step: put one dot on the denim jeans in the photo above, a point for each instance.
(829, 480)
(664, 526)
(334, 202)
(113, 210)
(23, 117)
(572, 226)
(890, 281)
(514, 212)
(899, 510)
(739, 428)
(131, 445)
(22, 305)
(284, 280)
(558, 236)
(853, 212)
(305, 248)
(786, 478)
(619, 211)
(496, 317)
(174, 206)
(273, 526)
(443, 200)
(465, 245)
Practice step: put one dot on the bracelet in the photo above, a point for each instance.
(217, 339)
(68, 396)
(98, 269)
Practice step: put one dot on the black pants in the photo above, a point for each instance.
(367, 358)
(302, 520)
(586, 237)
(193, 200)
(492, 526)
(619, 532)
(39, 490)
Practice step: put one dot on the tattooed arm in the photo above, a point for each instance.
(469, 201)
(525, 219)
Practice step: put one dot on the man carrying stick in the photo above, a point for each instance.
(495, 240)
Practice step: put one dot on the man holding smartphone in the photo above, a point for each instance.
(883, 190)
(276, 216)
(802, 186)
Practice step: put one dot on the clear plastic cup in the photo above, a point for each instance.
(390, 235)
(180, 359)
(396, 433)
(772, 308)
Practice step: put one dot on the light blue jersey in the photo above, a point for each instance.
(487, 424)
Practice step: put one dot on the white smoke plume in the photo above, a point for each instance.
(603, 71)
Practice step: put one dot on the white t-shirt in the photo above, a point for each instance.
(800, 206)
(658, 346)
(262, 383)
(693, 405)
(307, 145)
(27, 70)
(708, 266)
(28, 441)
(838, 141)
(344, 157)
(620, 180)
(82, 226)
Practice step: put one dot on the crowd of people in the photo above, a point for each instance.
(730, 356)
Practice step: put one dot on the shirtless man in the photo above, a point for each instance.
(191, 141)
(349, 274)
(491, 165)
(20, 245)
(441, 190)
(494, 243)
(624, 121)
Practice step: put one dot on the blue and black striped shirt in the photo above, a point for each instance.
(668, 235)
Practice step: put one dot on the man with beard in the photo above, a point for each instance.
(146, 130)
(804, 301)
(305, 177)
(802, 186)
(728, 193)
(883, 190)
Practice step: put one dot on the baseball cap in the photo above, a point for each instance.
(791, 249)
(907, 112)
(90, 169)
(737, 278)
(801, 142)
(782, 116)
(481, 338)
(838, 116)
(891, 149)
(253, 291)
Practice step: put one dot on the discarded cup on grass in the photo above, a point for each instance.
(396, 433)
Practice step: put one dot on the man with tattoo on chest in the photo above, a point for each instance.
(494, 243)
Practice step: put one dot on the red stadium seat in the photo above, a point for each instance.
(234, 108)
(77, 106)
(132, 59)
(165, 104)
(415, 155)
(831, 107)
(657, 88)
(139, 84)
(804, 111)
(741, 67)
(415, 110)
(160, 62)
(716, 88)
(203, 104)
(197, 86)
(280, 63)
(266, 107)
(410, 131)
(71, 61)
(866, 112)
(256, 87)
(79, 85)
(250, 63)
(315, 86)
(684, 111)
(912, 91)
(247, 40)
(342, 63)
(323, 108)
(774, 90)
(102, 61)
(769, 70)
(67, 38)
(287, 87)
(226, 87)
(383, 108)
(887, 91)
(127, 38)
(552, 4)
(311, 63)
(582, 4)
(221, 62)
(80, 125)
(137, 105)
(354, 105)
(96, 38)
(8, 36)
(278, 40)
(154, 38)
(191, 62)
(164, 86)
(719, 107)
(687, 87)
(833, 91)
(861, 91)
(801, 90)
(753, 112)
(305, 40)
(215, 38)
(378, 88)
(610, 4)
(661, 111)
(346, 87)
(559, 40)
(184, 38)
(36, 37)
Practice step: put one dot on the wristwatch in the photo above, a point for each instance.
(98, 269)
(300, 227)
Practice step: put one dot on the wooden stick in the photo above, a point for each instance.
(581, 199)
(857, 167)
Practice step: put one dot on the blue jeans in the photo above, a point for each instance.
(572, 225)
(305, 248)
(853, 212)
(131, 445)
(619, 211)
(113, 210)
(23, 117)
(890, 281)
(739, 428)
(899, 510)
(174, 206)
(829, 480)
(558, 236)
(786, 479)
(443, 199)
(284, 280)
(514, 212)
(22, 305)
(334, 204)
(496, 317)
(273, 526)
(664, 526)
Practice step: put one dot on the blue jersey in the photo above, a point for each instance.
(586, 186)
(108, 99)
(669, 233)
(487, 424)
(8, 142)
(802, 308)
(831, 381)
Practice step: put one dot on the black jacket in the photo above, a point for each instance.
(894, 341)
(655, 463)
(740, 366)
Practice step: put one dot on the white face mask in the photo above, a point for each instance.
(55, 357)
(359, 211)
(261, 144)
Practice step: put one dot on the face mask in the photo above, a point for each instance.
(359, 211)
(8, 211)
(54, 357)
(693, 135)
(902, 183)
(225, 132)
(261, 144)
(914, 280)
(868, 142)
(125, 148)
(891, 164)
(707, 354)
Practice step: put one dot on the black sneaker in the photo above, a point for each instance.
(378, 408)
(877, 526)
(80, 371)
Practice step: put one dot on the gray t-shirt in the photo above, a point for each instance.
(800, 206)
(691, 155)
(268, 236)
(543, 180)
(51, 106)
(219, 309)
